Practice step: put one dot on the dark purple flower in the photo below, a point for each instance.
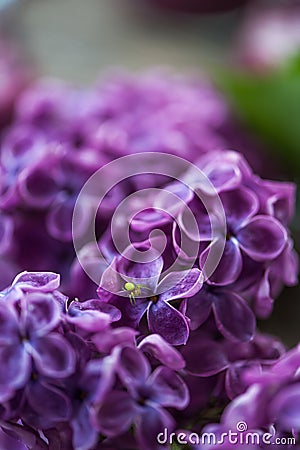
(28, 336)
(150, 294)
(84, 389)
(234, 318)
(272, 397)
(144, 401)
(61, 135)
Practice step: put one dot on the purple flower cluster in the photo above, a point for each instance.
(269, 406)
(60, 135)
(258, 257)
(67, 374)
(156, 344)
(70, 379)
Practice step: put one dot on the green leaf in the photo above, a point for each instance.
(270, 106)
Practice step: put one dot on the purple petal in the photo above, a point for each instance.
(289, 363)
(42, 313)
(288, 264)
(180, 284)
(234, 381)
(59, 220)
(30, 438)
(211, 358)
(131, 313)
(234, 318)
(133, 367)
(239, 205)
(146, 272)
(9, 443)
(149, 424)
(263, 302)
(110, 283)
(169, 389)
(106, 308)
(263, 238)
(286, 408)
(9, 326)
(167, 321)
(90, 320)
(106, 377)
(6, 232)
(248, 407)
(199, 308)
(122, 336)
(166, 199)
(53, 356)
(84, 434)
(156, 346)
(15, 367)
(224, 176)
(116, 414)
(279, 199)
(51, 404)
(41, 281)
(230, 265)
(37, 187)
(149, 218)
(186, 222)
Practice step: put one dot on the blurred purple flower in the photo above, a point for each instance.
(144, 401)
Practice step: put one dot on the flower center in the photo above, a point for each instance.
(229, 235)
(153, 298)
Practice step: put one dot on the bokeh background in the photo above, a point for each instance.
(82, 40)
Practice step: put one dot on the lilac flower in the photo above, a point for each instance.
(260, 237)
(144, 401)
(215, 371)
(157, 294)
(30, 338)
(61, 135)
(272, 397)
(44, 403)
(84, 389)
(270, 404)
(30, 315)
(258, 258)
(234, 318)
(92, 315)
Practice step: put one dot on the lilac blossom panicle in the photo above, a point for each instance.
(269, 406)
(60, 135)
(258, 258)
(62, 364)
(157, 343)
